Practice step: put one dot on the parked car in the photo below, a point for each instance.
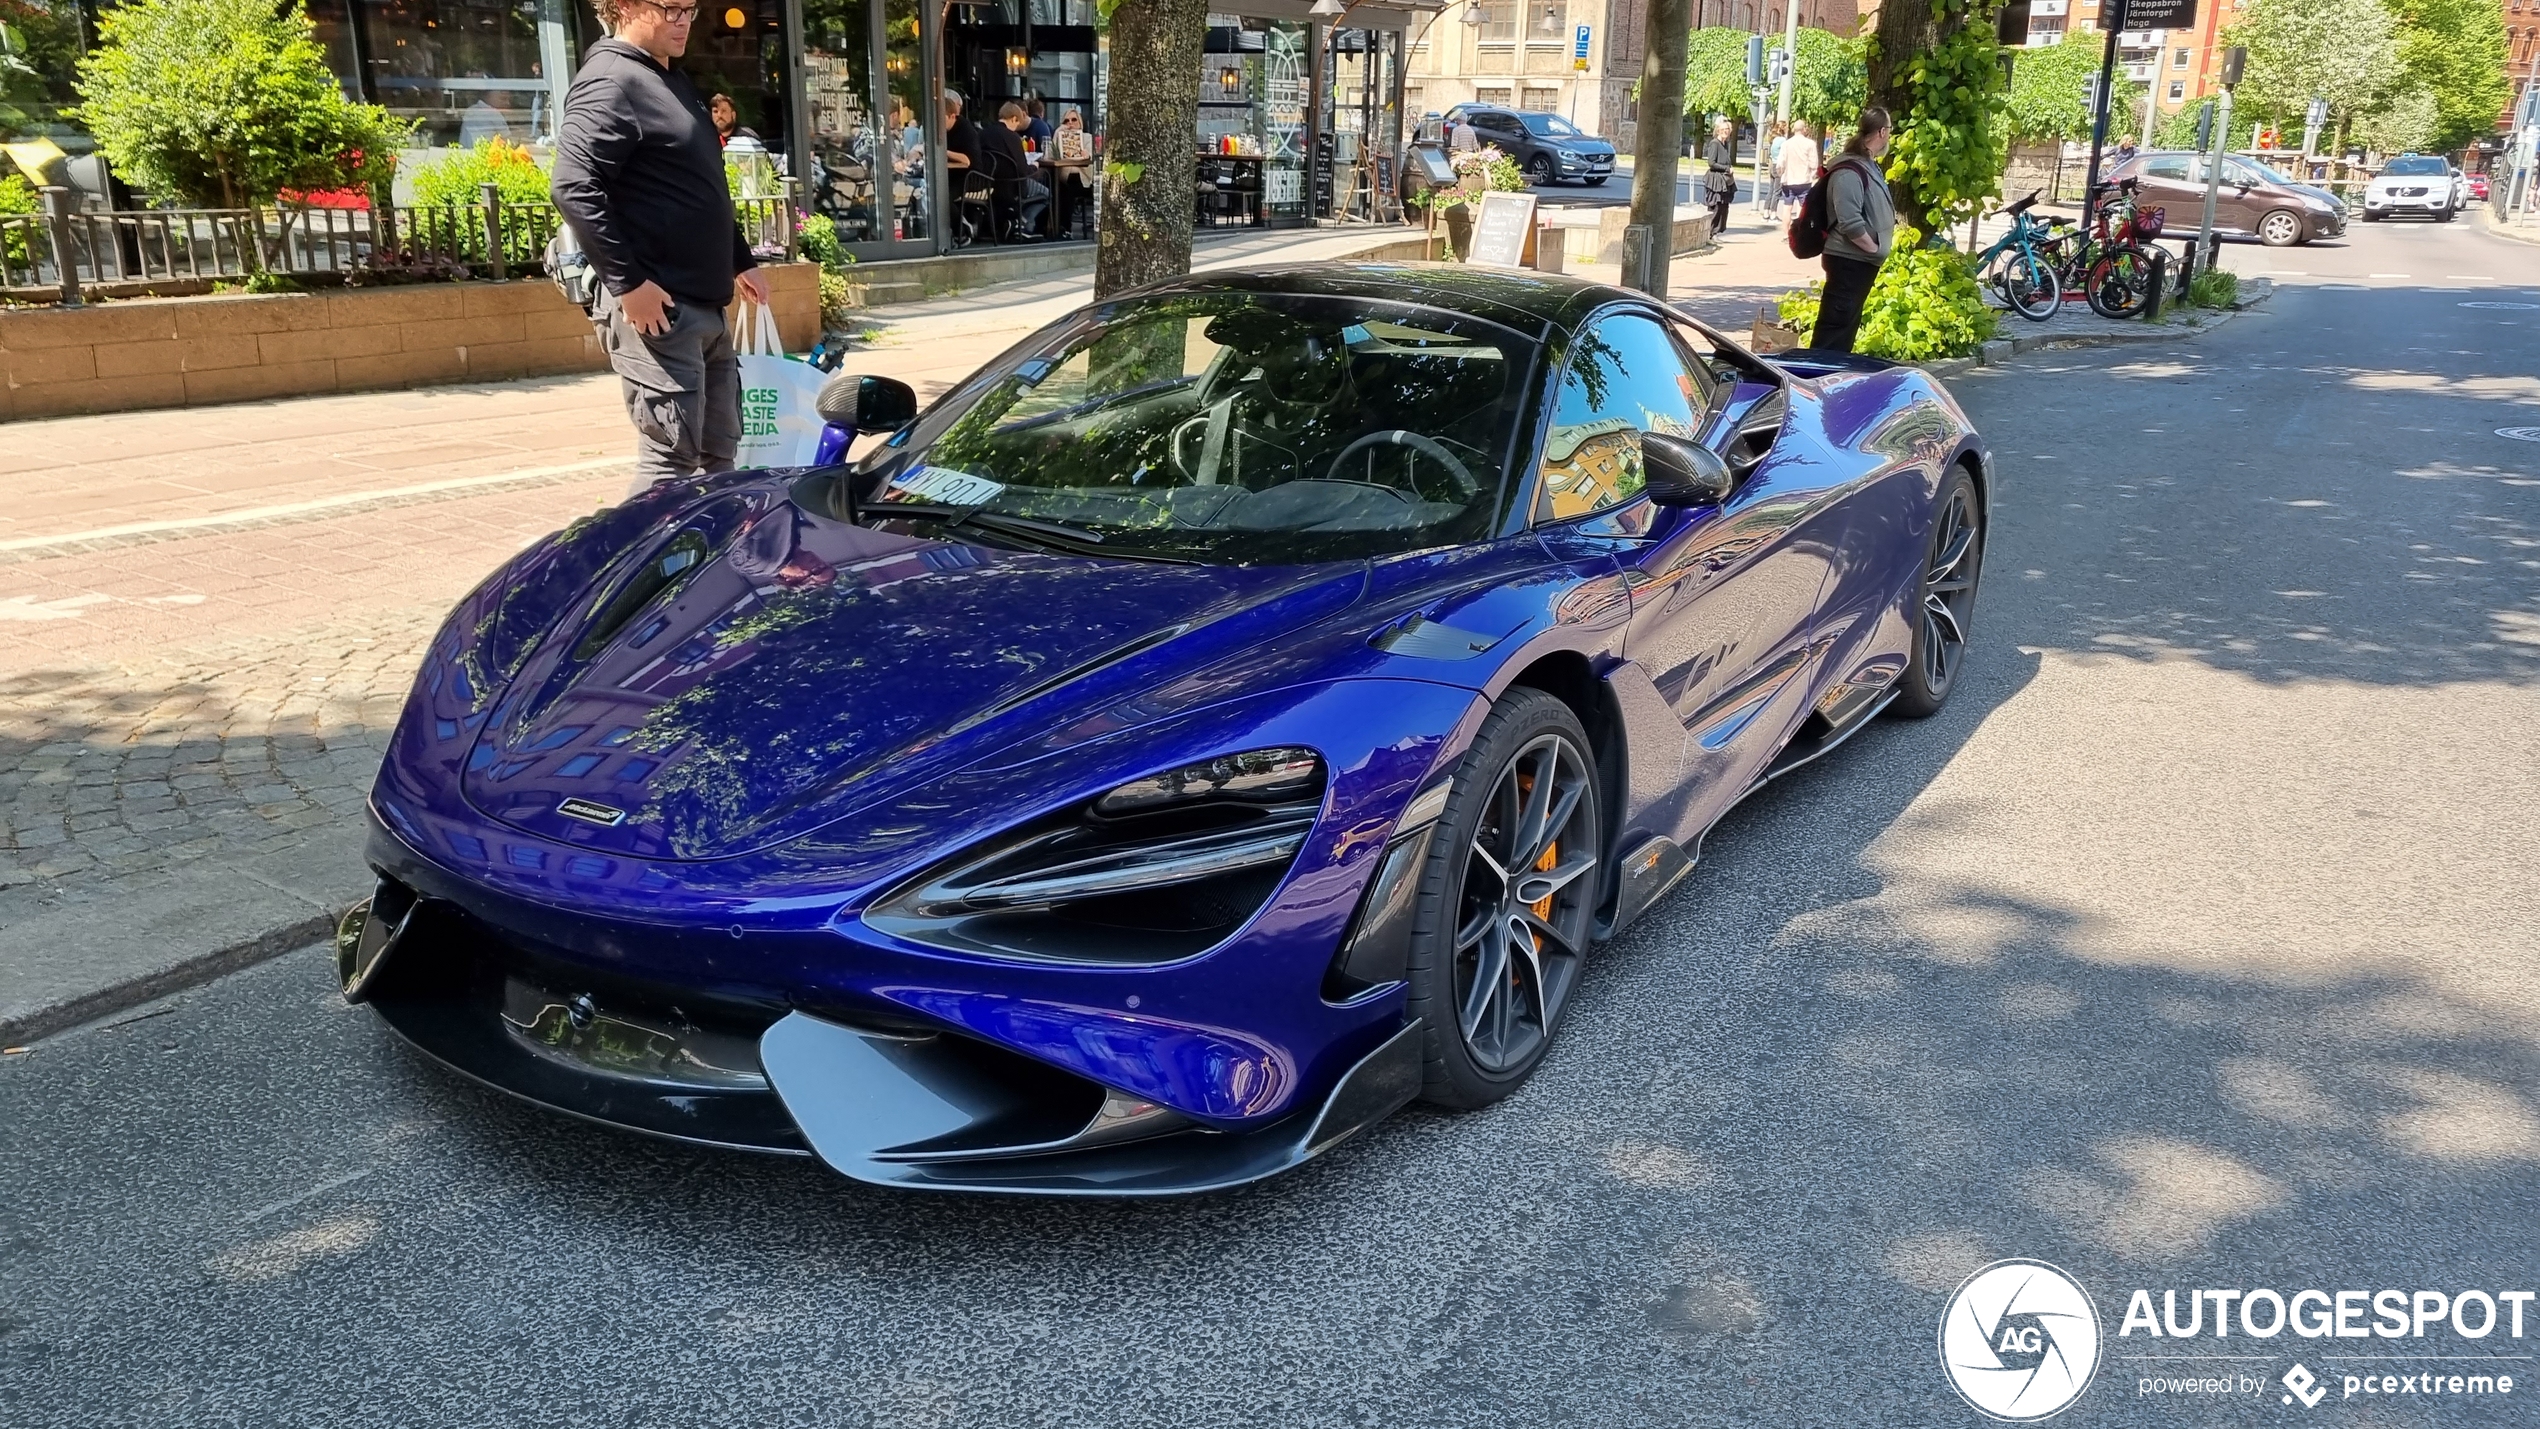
(1244, 707)
(2253, 200)
(2413, 183)
(1548, 147)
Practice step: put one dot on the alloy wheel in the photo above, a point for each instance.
(1949, 589)
(2280, 229)
(1522, 925)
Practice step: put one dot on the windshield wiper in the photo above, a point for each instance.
(952, 515)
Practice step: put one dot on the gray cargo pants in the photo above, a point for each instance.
(683, 389)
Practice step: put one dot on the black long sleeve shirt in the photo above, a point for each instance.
(639, 176)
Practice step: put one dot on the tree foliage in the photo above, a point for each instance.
(225, 103)
(39, 48)
(1826, 85)
(2049, 84)
(2453, 54)
(2405, 123)
(1949, 150)
(2343, 51)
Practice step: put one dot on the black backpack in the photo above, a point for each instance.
(1808, 231)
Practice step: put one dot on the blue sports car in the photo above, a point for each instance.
(1237, 711)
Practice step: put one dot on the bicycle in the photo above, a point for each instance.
(2014, 268)
(2111, 267)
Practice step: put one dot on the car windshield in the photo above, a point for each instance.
(2266, 170)
(1552, 125)
(1234, 428)
(2417, 167)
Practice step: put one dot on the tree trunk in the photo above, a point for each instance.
(1664, 50)
(1151, 143)
(1907, 28)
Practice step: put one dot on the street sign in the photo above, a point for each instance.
(2316, 116)
(2160, 14)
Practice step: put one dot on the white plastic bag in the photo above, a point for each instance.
(780, 421)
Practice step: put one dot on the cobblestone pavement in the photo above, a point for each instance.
(226, 692)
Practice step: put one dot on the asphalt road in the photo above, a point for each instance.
(2192, 945)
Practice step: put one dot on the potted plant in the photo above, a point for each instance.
(1477, 172)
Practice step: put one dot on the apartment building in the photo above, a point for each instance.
(1575, 58)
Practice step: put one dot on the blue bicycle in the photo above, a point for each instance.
(2014, 268)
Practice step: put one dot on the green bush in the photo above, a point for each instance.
(1925, 304)
(818, 238)
(836, 300)
(2213, 288)
(458, 178)
(226, 103)
(18, 196)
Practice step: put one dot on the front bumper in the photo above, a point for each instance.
(895, 1104)
(2407, 203)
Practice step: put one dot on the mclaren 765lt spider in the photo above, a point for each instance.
(1240, 709)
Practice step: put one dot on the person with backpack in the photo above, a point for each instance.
(1858, 221)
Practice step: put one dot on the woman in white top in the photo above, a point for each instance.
(1796, 170)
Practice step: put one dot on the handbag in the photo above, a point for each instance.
(780, 414)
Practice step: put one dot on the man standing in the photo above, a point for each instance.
(639, 178)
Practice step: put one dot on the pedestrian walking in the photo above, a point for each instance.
(1773, 167)
(1721, 182)
(1796, 171)
(639, 179)
(1460, 138)
(1860, 223)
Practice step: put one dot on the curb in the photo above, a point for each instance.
(192, 973)
(2519, 233)
(1999, 351)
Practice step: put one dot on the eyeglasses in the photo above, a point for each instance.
(675, 14)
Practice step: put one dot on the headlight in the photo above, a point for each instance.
(1157, 869)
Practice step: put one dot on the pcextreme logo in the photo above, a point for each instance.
(2020, 1340)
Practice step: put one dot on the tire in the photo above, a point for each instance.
(1944, 599)
(2030, 287)
(2371, 217)
(1539, 171)
(2280, 229)
(2445, 216)
(2119, 283)
(1482, 1042)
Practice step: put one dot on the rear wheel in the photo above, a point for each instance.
(2028, 283)
(1945, 599)
(2280, 229)
(1507, 902)
(2119, 284)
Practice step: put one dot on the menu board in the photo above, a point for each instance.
(1499, 232)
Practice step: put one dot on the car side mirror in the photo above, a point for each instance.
(1678, 472)
(866, 405)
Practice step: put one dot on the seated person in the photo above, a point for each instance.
(1020, 199)
(1071, 166)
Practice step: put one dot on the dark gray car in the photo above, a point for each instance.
(1548, 147)
(2252, 201)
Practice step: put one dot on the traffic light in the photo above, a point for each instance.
(2205, 127)
(2235, 60)
(1754, 60)
(2090, 94)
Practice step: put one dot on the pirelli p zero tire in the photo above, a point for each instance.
(1944, 599)
(1507, 902)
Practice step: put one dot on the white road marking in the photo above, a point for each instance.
(2385, 275)
(28, 608)
(295, 508)
(2467, 278)
(320, 1189)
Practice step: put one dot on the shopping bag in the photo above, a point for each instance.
(780, 418)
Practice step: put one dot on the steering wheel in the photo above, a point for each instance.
(1397, 437)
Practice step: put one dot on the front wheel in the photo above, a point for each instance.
(2280, 229)
(1945, 598)
(1507, 901)
(2028, 283)
(1539, 171)
(2446, 215)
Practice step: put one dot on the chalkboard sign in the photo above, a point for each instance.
(1388, 197)
(1500, 231)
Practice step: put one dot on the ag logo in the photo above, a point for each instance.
(2020, 1340)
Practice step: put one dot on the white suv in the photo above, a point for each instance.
(2413, 183)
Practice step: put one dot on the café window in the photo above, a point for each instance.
(468, 70)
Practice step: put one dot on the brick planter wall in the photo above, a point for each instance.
(183, 352)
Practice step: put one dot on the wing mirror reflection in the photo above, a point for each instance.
(1683, 473)
(866, 405)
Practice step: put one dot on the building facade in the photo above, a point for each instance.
(1580, 59)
